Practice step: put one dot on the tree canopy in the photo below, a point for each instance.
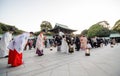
(84, 32)
(116, 27)
(6, 27)
(98, 30)
(46, 25)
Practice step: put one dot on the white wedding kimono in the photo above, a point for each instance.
(4, 42)
(19, 42)
(64, 46)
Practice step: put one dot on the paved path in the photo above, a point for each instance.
(103, 61)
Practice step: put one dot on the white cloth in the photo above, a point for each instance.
(89, 46)
(40, 42)
(61, 33)
(4, 42)
(64, 46)
(48, 43)
(19, 42)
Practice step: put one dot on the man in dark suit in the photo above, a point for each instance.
(77, 43)
(58, 42)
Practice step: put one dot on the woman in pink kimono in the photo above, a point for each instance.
(85, 46)
(83, 41)
(40, 43)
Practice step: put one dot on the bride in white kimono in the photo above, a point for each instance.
(64, 46)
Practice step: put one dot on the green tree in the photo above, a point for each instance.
(113, 31)
(116, 27)
(37, 33)
(0, 31)
(46, 25)
(5, 27)
(84, 32)
(98, 30)
(103, 32)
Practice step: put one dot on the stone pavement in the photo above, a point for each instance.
(103, 61)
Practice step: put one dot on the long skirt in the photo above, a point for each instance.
(39, 52)
(14, 58)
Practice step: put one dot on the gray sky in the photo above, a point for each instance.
(76, 14)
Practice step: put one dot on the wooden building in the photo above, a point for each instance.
(59, 27)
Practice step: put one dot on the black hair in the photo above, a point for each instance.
(63, 36)
(31, 33)
(12, 29)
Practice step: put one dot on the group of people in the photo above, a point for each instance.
(64, 43)
(98, 42)
(13, 47)
(68, 44)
